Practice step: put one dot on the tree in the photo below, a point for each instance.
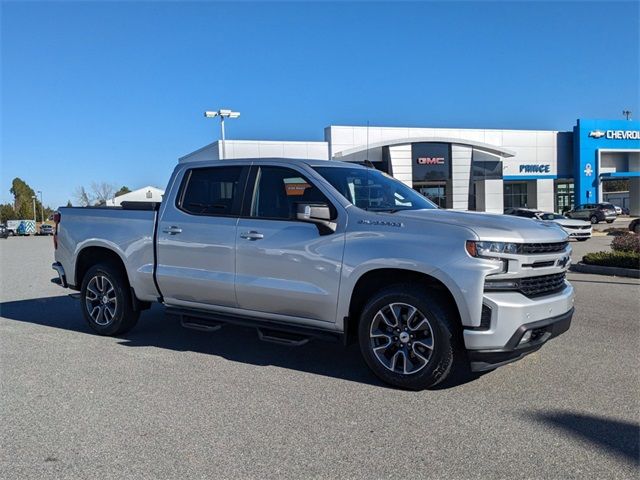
(7, 213)
(102, 191)
(122, 191)
(69, 203)
(82, 197)
(23, 201)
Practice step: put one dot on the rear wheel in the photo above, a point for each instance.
(106, 300)
(593, 219)
(407, 337)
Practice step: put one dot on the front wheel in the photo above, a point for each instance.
(407, 337)
(594, 219)
(106, 300)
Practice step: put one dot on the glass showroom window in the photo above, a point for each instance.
(436, 193)
(515, 195)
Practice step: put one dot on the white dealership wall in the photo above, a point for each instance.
(529, 147)
(259, 149)
(516, 149)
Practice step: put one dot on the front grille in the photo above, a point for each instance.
(543, 247)
(542, 285)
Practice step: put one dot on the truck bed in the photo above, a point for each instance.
(128, 230)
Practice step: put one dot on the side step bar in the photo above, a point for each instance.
(273, 332)
(282, 338)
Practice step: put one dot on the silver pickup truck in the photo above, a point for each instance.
(304, 249)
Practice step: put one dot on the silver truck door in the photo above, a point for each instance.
(285, 266)
(197, 236)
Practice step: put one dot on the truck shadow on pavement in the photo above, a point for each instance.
(234, 343)
(620, 438)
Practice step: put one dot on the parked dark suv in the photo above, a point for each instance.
(593, 212)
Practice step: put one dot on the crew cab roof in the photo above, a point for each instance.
(258, 161)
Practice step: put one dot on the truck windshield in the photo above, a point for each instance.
(374, 190)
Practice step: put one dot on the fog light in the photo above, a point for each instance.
(526, 337)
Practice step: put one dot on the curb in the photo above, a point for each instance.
(601, 270)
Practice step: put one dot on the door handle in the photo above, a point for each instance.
(172, 230)
(252, 235)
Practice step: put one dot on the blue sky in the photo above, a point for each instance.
(115, 91)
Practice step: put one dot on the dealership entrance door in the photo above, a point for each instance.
(434, 191)
(564, 196)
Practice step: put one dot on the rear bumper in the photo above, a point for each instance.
(62, 278)
(542, 331)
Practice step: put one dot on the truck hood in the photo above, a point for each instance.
(488, 226)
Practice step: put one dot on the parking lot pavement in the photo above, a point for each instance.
(621, 221)
(594, 244)
(164, 402)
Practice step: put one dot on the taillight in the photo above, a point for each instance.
(56, 219)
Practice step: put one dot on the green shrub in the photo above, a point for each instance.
(629, 242)
(613, 259)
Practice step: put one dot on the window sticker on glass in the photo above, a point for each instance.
(295, 187)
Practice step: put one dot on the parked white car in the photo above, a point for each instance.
(578, 229)
(618, 209)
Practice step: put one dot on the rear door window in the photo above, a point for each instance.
(214, 191)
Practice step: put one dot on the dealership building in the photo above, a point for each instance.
(477, 169)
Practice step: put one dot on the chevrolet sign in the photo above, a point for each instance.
(616, 134)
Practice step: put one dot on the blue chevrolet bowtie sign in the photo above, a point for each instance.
(591, 138)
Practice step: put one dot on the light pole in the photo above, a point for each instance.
(33, 197)
(41, 207)
(222, 113)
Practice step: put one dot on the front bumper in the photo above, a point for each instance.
(542, 331)
(579, 233)
(62, 278)
(510, 315)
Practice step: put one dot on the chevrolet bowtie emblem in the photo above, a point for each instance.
(597, 134)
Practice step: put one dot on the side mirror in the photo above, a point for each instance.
(318, 213)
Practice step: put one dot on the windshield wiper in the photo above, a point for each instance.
(387, 210)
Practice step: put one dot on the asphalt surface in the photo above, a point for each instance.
(165, 402)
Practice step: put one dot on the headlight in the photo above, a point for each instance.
(481, 249)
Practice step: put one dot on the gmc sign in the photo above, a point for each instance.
(430, 160)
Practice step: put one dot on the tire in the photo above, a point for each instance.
(594, 219)
(609, 221)
(425, 367)
(105, 288)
